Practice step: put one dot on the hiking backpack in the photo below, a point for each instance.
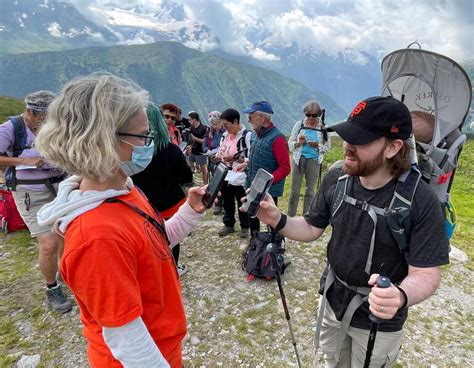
(431, 83)
(19, 144)
(257, 261)
(10, 219)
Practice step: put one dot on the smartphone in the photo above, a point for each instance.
(258, 189)
(214, 185)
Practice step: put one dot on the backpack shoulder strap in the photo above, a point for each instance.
(406, 187)
(339, 193)
(19, 133)
(399, 219)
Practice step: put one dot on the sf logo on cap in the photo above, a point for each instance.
(358, 109)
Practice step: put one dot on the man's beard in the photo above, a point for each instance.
(359, 168)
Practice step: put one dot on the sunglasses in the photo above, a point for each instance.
(312, 115)
(174, 118)
(147, 138)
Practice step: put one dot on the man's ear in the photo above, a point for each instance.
(392, 147)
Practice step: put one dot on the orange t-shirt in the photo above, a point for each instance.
(119, 268)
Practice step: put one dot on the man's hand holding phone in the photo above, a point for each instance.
(257, 192)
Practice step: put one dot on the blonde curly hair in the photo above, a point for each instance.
(80, 133)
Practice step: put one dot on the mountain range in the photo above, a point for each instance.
(171, 72)
(28, 26)
(40, 25)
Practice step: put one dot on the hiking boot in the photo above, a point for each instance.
(226, 231)
(244, 233)
(57, 300)
(217, 210)
(182, 270)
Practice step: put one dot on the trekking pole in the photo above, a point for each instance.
(273, 257)
(382, 282)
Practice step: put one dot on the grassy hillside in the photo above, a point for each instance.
(171, 73)
(10, 106)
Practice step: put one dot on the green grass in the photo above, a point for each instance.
(10, 106)
(462, 196)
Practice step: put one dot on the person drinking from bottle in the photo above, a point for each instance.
(355, 199)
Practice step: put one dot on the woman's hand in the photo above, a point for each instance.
(240, 167)
(32, 161)
(195, 195)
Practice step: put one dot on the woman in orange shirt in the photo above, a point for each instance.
(117, 259)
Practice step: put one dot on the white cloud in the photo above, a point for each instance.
(349, 26)
(54, 29)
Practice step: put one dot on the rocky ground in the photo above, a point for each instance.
(231, 323)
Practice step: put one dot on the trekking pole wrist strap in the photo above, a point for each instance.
(405, 302)
(281, 224)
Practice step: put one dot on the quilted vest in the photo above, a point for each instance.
(261, 156)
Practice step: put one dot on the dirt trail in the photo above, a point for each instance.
(231, 323)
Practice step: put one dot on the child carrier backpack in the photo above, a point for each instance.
(257, 261)
(436, 86)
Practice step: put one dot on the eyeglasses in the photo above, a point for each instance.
(147, 138)
(312, 115)
(174, 118)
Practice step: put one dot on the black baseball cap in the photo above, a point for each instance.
(373, 118)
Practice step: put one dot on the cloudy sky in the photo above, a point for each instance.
(356, 26)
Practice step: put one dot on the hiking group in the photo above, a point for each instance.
(106, 188)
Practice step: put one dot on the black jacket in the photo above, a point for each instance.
(162, 181)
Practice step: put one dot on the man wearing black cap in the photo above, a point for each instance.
(376, 158)
(268, 151)
(34, 183)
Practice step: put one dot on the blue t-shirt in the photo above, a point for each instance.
(311, 136)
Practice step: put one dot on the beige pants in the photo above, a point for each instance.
(386, 348)
(28, 203)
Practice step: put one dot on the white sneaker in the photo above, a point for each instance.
(182, 270)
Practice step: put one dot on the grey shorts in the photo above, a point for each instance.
(199, 159)
(28, 203)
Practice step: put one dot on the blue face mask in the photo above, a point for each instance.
(141, 158)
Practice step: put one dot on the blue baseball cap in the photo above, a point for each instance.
(262, 106)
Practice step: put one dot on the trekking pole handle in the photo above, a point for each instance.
(382, 282)
(271, 251)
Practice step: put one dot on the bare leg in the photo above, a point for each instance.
(49, 245)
